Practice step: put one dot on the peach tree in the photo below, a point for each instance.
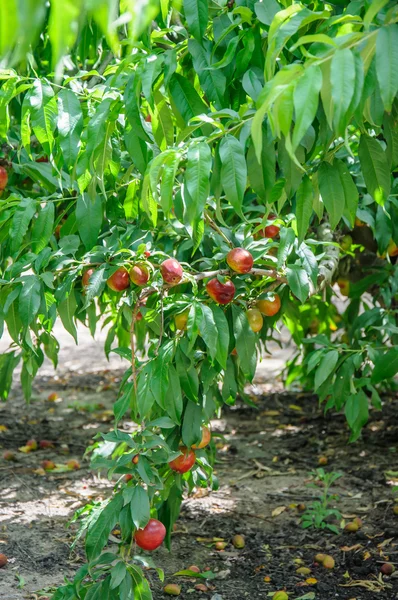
(191, 176)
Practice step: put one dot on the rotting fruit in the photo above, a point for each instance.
(205, 441)
(328, 562)
(280, 596)
(238, 541)
(171, 271)
(269, 308)
(387, 569)
(119, 281)
(3, 560)
(223, 293)
(240, 260)
(48, 465)
(351, 527)
(151, 536)
(172, 589)
(139, 274)
(184, 462)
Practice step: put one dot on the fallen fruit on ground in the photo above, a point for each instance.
(322, 460)
(119, 281)
(171, 271)
(86, 277)
(205, 441)
(269, 308)
(46, 444)
(32, 444)
(194, 568)
(201, 587)
(151, 536)
(9, 455)
(3, 178)
(223, 293)
(181, 320)
(280, 596)
(48, 465)
(255, 319)
(351, 527)
(172, 589)
(344, 286)
(238, 541)
(220, 545)
(358, 521)
(73, 465)
(3, 560)
(395, 509)
(303, 571)
(328, 562)
(240, 260)
(301, 507)
(184, 462)
(139, 275)
(387, 569)
(52, 397)
(319, 558)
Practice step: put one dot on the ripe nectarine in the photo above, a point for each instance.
(86, 277)
(171, 271)
(3, 178)
(205, 441)
(151, 536)
(120, 280)
(240, 260)
(223, 293)
(269, 308)
(139, 274)
(184, 462)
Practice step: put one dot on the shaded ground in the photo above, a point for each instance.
(264, 463)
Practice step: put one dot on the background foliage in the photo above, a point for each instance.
(140, 131)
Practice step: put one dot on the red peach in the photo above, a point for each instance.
(240, 260)
(119, 281)
(139, 274)
(184, 462)
(171, 271)
(223, 293)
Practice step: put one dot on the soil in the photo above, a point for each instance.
(265, 459)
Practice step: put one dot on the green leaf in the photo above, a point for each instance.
(326, 367)
(342, 79)
(375, 168)
(357, 413)
(197, 178)
(197, 14)
(20, 222)
(140, 509)
(99, 529)
(233, 171)
(186, 98)
(245, 342)
(383, 229)
(212, 81)
(306, 99)
(70, 126)
(332, 192)
(145, 395)
(30, 298)
(192, 424)
(43, 110)
(43, 228)
(89, 219)
(67, 312)
(118, 573)
(223, 335)
(208, 331)
(385, 366)
(63, 27)
(266, 11)
(123, 403)
(297, 279)
(6, 93)
(304, 199)
(350, 190)
(173, 399)
(8, 362)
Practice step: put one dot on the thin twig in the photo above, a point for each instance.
(216, 228)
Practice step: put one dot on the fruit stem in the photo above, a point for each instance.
(216, 228)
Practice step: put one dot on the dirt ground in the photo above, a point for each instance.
(265, 458)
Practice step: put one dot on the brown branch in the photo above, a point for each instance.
(216, 228)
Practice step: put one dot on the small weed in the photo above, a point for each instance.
(320, 511)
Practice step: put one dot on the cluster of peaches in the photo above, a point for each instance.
(238, 259)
